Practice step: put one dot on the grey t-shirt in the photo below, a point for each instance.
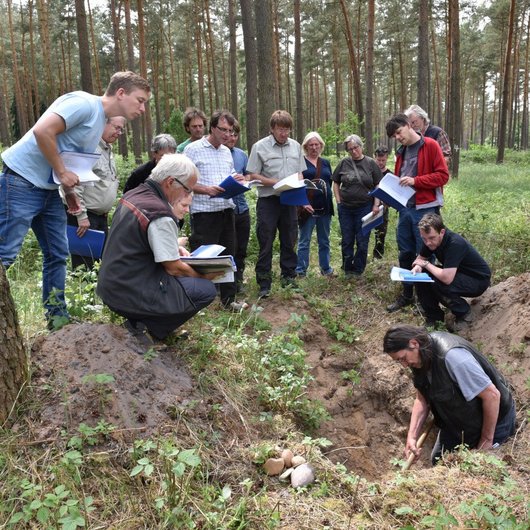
(409, 167)
(466, 372)
(162, 234)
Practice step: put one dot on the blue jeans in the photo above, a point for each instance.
(323, 224)
(350, 220)
(409, 240)
(24, 206)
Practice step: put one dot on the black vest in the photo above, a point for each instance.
(129, 279)
(450, 409)
(432, 131)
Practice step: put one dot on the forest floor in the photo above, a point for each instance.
(368, 416)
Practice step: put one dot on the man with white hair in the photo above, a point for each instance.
(421, 123)
(142, 277)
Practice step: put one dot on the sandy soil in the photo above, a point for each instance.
(369, 419)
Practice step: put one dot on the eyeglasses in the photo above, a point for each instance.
(283, 130)
(187, 189)
(224, 130)
(118, 128)
(354, 148)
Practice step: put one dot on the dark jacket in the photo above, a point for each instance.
(450, 409)
(129, 278)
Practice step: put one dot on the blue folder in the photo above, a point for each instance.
(232, 188)
(90, 245)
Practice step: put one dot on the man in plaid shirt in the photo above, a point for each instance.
(421, 123)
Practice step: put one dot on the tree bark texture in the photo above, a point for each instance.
(84, 48)
(251, 65)
(423, 81)
(455, 114)
(298, 73)
(506, 86)
(369, 114)
(13, 366)
(233, 57)
(266, 73)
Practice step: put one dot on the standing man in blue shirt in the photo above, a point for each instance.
(28, 196)
(241, 211)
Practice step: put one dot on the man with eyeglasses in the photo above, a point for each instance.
(421, 123)
(97, 200)
(142, 277)
(272, 158)
(213, 219)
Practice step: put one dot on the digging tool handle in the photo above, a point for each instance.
(420, 442)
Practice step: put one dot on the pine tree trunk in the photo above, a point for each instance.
(266, 73)
(251, 65)
(13, 365)
(210, 51)
(506, 87)
(455, 114)
(136, 124)
(146, 118)
(525, 120)
(353, 67)
(369, 115)
(22, 119)
(97, 87)
(49, 86)
(298, 73)
(233, 57)
(84, 48)
(423, 85)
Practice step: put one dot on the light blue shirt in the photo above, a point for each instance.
(240, 164)
(84, 118)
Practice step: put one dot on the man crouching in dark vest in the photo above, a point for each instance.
(142, 277)
(469, 398)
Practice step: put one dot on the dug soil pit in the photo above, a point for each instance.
(92, 372)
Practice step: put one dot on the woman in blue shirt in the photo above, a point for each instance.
(319, 212)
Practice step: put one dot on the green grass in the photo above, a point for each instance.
(255, 380)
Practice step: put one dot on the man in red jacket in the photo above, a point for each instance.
(419, 163)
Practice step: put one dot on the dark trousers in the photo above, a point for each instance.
(431, 295)
(447, 441)
(409, 240)
(216, 228)
(200, 292)
(272, 216)
(97, 222)
(242, 222)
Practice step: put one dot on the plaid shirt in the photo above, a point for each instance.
(214, 165)
(445, 144)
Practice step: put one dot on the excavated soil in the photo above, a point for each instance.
(369, 418)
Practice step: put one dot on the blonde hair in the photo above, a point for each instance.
(309, 136)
